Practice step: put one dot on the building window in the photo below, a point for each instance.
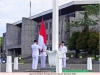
(47, 37)
(50, 36)
(68, 20)
(38, 27)
(46, 24)
(71, 15)
(19, 37)
(50, 24)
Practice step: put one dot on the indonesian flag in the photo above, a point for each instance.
(42, 36)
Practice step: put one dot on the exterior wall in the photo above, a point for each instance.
(50, 32)
(11, 36)
(28, 36)
(60, 28)
(72, 29)
(65, 35)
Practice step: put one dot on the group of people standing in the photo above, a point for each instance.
(35, 55)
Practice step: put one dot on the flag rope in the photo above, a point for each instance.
(42, 8)
(30, 8)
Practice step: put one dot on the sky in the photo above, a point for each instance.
(13, 10)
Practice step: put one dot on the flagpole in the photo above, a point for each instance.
(55, 25)
(30, 8)
(55, 34)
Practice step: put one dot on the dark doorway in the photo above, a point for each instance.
(14, 52)
(18, 51)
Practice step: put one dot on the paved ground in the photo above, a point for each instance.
(24, 67)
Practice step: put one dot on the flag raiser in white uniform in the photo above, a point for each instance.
(35, 54)
(42, 42)
(63, 48)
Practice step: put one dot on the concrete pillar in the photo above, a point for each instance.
(9, 64)
(28, 36)
(15, 63)
(59, 65)
(89, 63)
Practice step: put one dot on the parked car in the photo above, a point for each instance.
(2, 61)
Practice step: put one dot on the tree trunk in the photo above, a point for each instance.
(77, 52)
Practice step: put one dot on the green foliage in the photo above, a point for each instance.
(72, 41)
(22, 61)
(80, 54)
(81, 42)
(98, 46)
(86, 21)
(72, 55)
(1, 40)
(74, 24)
(92, 9)
(85, 37)
(93, 42)
(88, 41)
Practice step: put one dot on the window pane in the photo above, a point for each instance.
(50, 24)
(46, 24)
(47, 37)
(50, 36)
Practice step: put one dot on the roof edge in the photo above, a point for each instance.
(60, 7)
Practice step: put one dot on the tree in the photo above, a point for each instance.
(98, 46)
(1, 41)
(93, 42)
(81, 42)
(72, 42)
(92, 9)
(86, 21)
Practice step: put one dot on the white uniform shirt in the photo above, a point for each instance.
(35, 50)
(63, 48)
(43, 53)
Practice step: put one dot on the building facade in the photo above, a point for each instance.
(20, 35)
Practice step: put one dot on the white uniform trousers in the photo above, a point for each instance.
(63, 62)
(43, 61)
(35, 63)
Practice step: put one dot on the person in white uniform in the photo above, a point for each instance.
(43, 57)
(35, 54)
(63, 48)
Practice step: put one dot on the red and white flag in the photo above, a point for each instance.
(42, 36)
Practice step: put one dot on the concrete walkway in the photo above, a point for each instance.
(24, 67)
